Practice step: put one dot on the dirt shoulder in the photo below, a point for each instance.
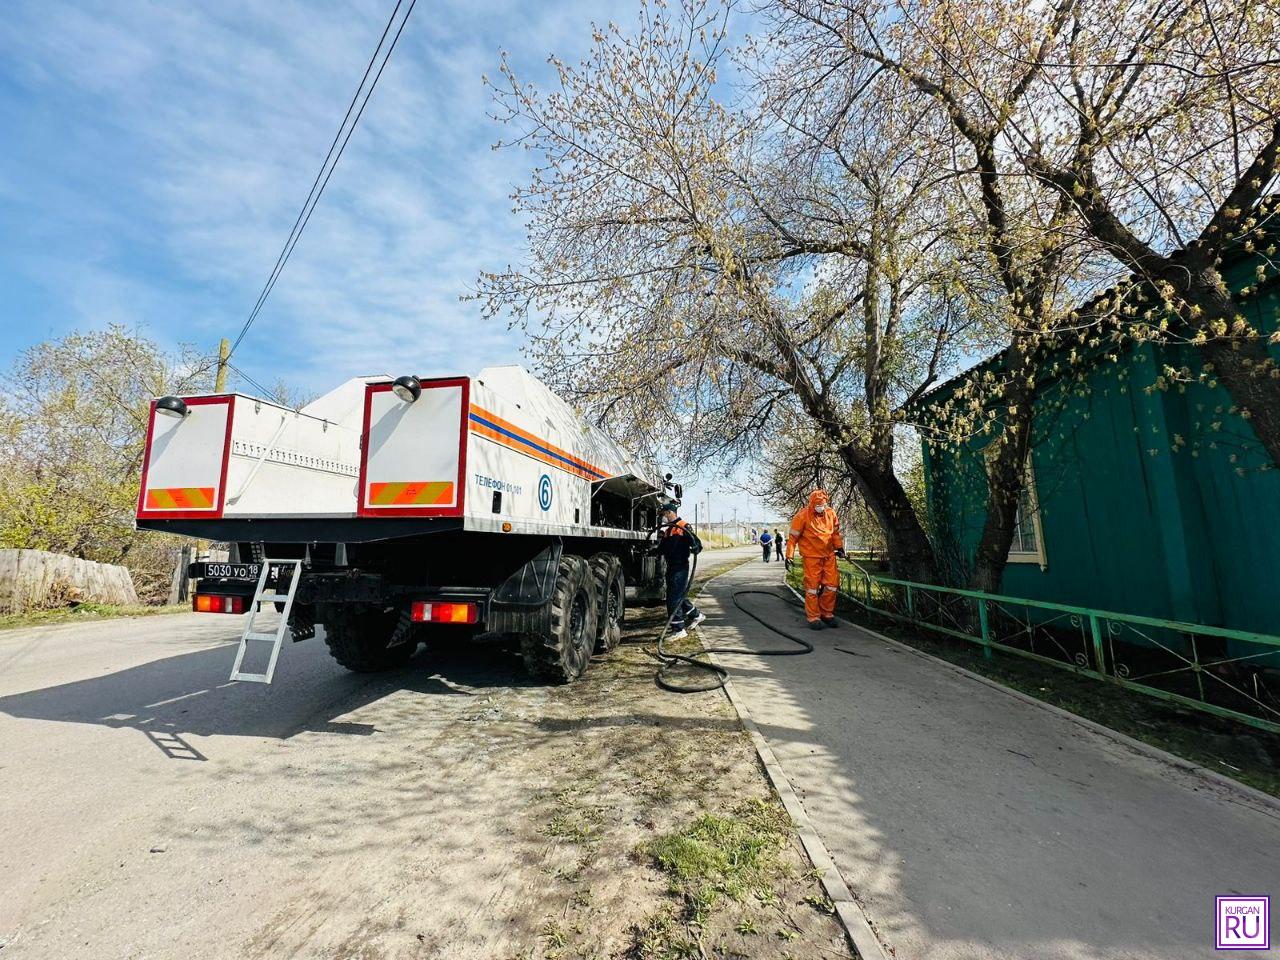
(659, 836)
(84, 612)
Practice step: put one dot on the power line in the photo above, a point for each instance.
(266, 394)
(322, 177)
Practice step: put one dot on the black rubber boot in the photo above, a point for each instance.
(830, 622)
(815, 624)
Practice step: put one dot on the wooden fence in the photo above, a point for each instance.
(34, 579)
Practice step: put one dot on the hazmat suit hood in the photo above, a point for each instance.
(817, 497)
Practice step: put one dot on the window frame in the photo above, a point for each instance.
(1038, 555)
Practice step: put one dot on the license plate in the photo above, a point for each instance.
(232, 571)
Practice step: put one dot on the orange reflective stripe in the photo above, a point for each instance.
(180, 498)
(530, 444)
(411, 493)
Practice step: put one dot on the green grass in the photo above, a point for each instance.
(570, 820)
(660, 937)
(1233, 749)
(84, 611)
(723, 854)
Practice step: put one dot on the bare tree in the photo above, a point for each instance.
(1153, 127)
(699, 269)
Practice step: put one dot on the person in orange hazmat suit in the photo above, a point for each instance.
(816, 531)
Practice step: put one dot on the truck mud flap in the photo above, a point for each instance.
(533, 583)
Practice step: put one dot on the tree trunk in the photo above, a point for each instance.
(911, 555)
(1244, 365)
(1006, 469)
(992, 554)
(1244, 368)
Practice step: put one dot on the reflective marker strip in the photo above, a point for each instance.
(180, 498)
(493, 427)
(411, 493)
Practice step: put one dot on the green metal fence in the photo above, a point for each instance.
(1227, 673)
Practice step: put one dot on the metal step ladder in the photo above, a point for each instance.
(276, 639)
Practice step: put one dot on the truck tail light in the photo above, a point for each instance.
(423, 611)
(217, 603)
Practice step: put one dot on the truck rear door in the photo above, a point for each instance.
(184, 467)
(413, 454)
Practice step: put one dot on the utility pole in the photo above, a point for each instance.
(224, 358)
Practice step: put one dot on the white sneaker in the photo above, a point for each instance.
(678, 635)
(697, 620)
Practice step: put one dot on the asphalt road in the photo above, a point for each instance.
(134, 771)
(974, 826)
(152, 809)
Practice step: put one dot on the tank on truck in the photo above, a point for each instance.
(397, 510)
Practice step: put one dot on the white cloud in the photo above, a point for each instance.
(171, 148)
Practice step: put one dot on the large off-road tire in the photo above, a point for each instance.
(611, 600)
(357, 636)
(561, 653)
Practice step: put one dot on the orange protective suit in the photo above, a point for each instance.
(818, 537)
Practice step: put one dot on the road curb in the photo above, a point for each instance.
(857, 925)
(1243, 792)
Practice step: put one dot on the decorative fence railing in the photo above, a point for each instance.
(1227, 673)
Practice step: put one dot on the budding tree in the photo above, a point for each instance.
(1154, 126)
(700, 269)
(73, 416)
(1166, 142)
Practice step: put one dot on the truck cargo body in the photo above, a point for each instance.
(480, 491)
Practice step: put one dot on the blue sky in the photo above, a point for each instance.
(156, 154)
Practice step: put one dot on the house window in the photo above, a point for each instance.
(1028, 537)
(1027, 545)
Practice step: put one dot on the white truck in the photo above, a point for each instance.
(399, 511)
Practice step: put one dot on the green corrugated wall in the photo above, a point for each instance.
(1129, 523)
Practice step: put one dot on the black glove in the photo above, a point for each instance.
(787, 563)
(841, 554)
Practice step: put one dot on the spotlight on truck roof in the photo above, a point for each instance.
(172, 407)
(407, 389)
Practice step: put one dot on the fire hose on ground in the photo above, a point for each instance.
(719, 675)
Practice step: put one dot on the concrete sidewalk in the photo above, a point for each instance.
(970, 824)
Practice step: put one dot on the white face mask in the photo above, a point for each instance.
(819, 508)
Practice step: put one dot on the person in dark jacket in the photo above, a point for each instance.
(766, 541)
(676, 544)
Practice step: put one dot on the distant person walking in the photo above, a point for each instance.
(766, 542)
(779, 543)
